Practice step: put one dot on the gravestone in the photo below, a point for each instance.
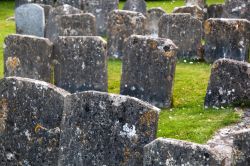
(148, 69)
(47, 9)
(121, 25)
(103, 129)
(30, 116)
(30, 20)
(163, 152)
(215, 11)
(136, 6)
(185, 31)
(22, 2)
(194, 10)
(52, 30)
(76, 25)
(27, 56)
(229, 84)
(237, 9)
(227, 38)
(81, 63)
(200, 3)
(153, 17)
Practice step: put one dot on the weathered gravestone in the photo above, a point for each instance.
(185, 31)
(170, 152)
(52, 28)
(30, 20)
(153, 17)
(194, 10)
(103, 129)
(215, 11)
(148, 69)
(136, 6)
(237, 9)
(30, 118)
(81, 63)
(200, 3)
(229, 84)
(27, 56)
(121, 25)
(227, 38)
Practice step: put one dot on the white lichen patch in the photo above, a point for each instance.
(10, 156)
(117, 100)
(128, 132)
(27, 134)
(83, 66)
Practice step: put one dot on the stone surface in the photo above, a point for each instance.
(194, 10)
(27, 56)
(168, 152)
(215, 11)
(121, 25)
(229, 84)
(148, 69)
(136, 6)
(200, 3)
(45, 2)
(237, 9)
(47, 9)
(74, 3)
(153, 17)
(30, 118)
(81, 63)
(226, 38)
(103, 129)
(52, 30)
(185, 31)
(30, 20)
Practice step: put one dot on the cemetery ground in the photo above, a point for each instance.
(187, 120)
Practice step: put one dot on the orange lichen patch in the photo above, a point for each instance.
(3, 114)
(153, 44)
(126, 155)
(12, 63)
(215, 66)
(147, 118)
(169, 54)
(39, 127)
(207, 27)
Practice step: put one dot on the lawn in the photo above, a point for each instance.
(187, 120)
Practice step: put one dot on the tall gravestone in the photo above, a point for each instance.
(200, 3)
(54, 14)
(121, 25)
(237, 9)
(30, 116)
(103, 129)
(27, 56)
(194, 10)
(30, 20)
(148, 69)
(153, 17)
(227, 38)
(185, 31)
(81, 63)
(229, 84)
(136, 6)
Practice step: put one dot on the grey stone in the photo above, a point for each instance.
(30, 118)
(227, 38)
(103, 129)
(153, 17)
(194, 10)
(47, 9)
(81, 63)
(136, 6)
(229, 84)
(27, 56)
(185, 31)
(22, 2)
(121, 25)
(237, 9)
(52, 28)
(148, 69)
(30, 20)
(200, 3)
(215, 10)
(170, 152)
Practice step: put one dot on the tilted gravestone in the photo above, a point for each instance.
(136, 6)
(227, 38)
(103, 129)
(237, 9)
(27, 56)
(185, 31)
(215, 10)
(121, 25)
(148, 69)
(30, 118)
(52, 28)
(194, 10)
(81, 63)
(153, 17)
(30, 20)
(229, 84)
(200, 3)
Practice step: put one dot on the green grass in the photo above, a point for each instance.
(187, 120)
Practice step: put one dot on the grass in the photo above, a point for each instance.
(187, 120)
